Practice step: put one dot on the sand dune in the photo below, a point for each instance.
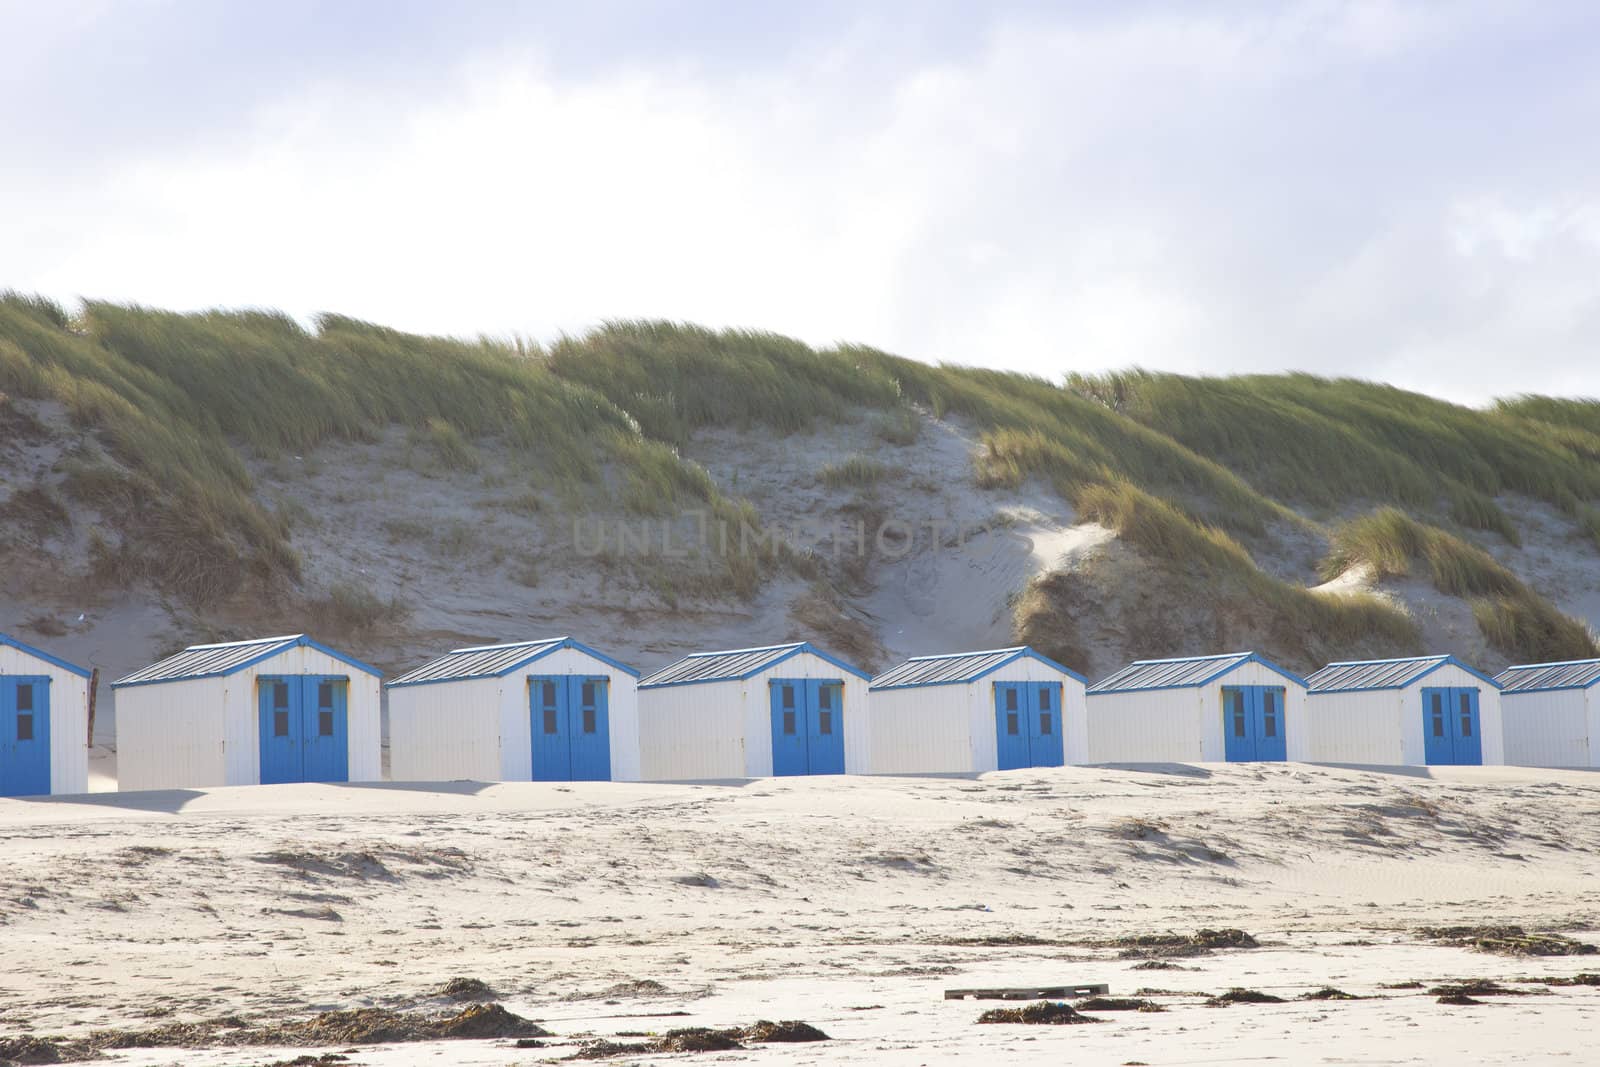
(848, 902)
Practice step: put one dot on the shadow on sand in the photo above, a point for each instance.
(166, 801)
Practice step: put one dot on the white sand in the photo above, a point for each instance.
(832, 900)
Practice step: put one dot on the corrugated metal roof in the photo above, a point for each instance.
(493, 661)
(958, 668)
(1170, 673)
(215, 661)
(1372, 674)
(1527, 678)
(725, 666)
(7, 639)
(483, 661)
(734, 664)
(946, 669)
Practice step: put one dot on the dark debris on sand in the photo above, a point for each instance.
(1507, 941)
(1199, 943)
(1327, 992)
(1479, 987)
(1242, 996)
(466, 989)
(1044, 1013)
(1118, 1004)
(361, 1026)
(30, 1050)
(703, 1039)
(1584, 978)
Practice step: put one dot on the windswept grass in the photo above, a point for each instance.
(1181, 467)
(899, 427)
(449, 448)
(172, 396)
(675, 378)
(1512, 617)
(1325, 442)
(857, 472)
(1205, 572)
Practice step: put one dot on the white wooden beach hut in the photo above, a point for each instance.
(44, 722)
(1413, 712)
(752, 712)
(1550, 713)
(975, 711)
(1237, 707)
(278, 709)
(551, 710)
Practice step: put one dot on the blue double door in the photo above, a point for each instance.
(1027, 725)
(305, 728)
(1450, 733)
(24, 735)
(1252, 723)
(807, 726)
(571, 728)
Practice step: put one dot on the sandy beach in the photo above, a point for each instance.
(604, 910)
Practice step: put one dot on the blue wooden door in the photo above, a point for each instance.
(590, 729)
(1044, 725)
(324, 729)
(824, 727)
(1270, 739)
(24, 736)
(789, 727)
(551, 727)
(1465, 741)
(1010, 725)
(1437, 747)
(1238, 723)
(282, 703)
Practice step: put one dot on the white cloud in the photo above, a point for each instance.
(1201, 194)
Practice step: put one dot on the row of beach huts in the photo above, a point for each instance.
(289, 709)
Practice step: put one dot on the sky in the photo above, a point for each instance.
(1407, 192)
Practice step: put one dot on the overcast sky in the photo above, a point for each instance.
(1408, 192)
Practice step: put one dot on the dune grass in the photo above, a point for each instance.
(1326, 442)
(1182, 467)
(675, 378)
(1300, 626)
(856, 472)
(175, 396)
(1512, 617)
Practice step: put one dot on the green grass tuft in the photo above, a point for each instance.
(1512, 617)
(854, 473)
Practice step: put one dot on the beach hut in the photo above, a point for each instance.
(545, 711)
(975, 711)
(1419, 711)
(278, 709)
(1236, 707)
(1550, 713)
(44, 722)
(752, 712)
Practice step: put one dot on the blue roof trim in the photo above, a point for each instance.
(1235, 661)
(565, 642)
(54, 661)
(347, 660)
(1026, 651)
(804, 646)
(298, 641)
(602, 657)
